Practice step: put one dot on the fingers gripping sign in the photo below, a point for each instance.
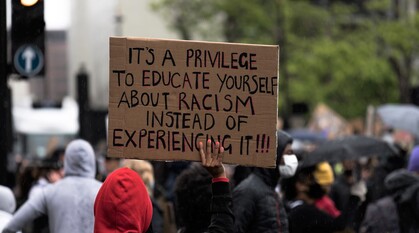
(212, 161)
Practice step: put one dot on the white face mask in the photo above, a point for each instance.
(290, 167)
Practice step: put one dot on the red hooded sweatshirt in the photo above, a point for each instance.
(122, 204)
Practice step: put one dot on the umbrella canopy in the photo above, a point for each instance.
(348, 148)
(400, 116)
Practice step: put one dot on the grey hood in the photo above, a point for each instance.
(7, 200)
(79, 159)
(399, 180)
(403, 185)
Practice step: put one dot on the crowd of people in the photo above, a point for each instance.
(71, 192)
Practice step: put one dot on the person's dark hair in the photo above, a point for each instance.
(192, 198)
(55, 161)
(288, 188)
(58, 153)
(26, 177)
(303, 175)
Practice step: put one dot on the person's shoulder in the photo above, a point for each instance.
(409, 194)
(72, 182)
(301, 206)
(98, 184)
(96, 181)
(41, 190)
(249, 183)
(35, 190)
(251, 187)
(296, 207)
(93, 183)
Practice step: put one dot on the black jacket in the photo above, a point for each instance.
(404, 187)
(308, 218)
(222, 218)
(257, 206)
(408, 208)
(340, 192)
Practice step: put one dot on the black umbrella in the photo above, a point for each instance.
(348, 148)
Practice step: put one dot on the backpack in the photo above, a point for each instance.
(381, 217)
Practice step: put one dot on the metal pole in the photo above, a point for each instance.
(370, 121)
(83, 100)
(5, 103)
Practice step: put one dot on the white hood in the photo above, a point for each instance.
(7, 200)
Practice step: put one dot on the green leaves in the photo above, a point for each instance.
(342, 54)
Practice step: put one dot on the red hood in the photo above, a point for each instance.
(122, 204)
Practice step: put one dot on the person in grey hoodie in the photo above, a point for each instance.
(397, 212)
(68, 203)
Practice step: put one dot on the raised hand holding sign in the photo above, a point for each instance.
(212, 161)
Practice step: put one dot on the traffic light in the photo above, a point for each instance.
(28, 37)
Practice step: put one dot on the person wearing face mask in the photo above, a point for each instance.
(288, 166)
(305, 216)
(257, 207)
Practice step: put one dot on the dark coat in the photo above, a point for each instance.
(408, 208)
(307, 218)
(398, 211)
(404, 188)
(340, 192)
(381, 216)
(257, 206)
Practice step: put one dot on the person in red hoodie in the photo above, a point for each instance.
(123, 204)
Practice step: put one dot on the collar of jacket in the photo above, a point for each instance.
(269, 176)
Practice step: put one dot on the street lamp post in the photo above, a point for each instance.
(5, 101)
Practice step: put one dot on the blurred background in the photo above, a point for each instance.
(340, 61)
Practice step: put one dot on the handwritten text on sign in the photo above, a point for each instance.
(166, 96)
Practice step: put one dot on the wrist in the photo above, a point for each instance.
(221, 175)
(220, 179)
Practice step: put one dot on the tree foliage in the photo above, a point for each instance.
(343, 54)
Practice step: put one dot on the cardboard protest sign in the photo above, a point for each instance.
(166, 96)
